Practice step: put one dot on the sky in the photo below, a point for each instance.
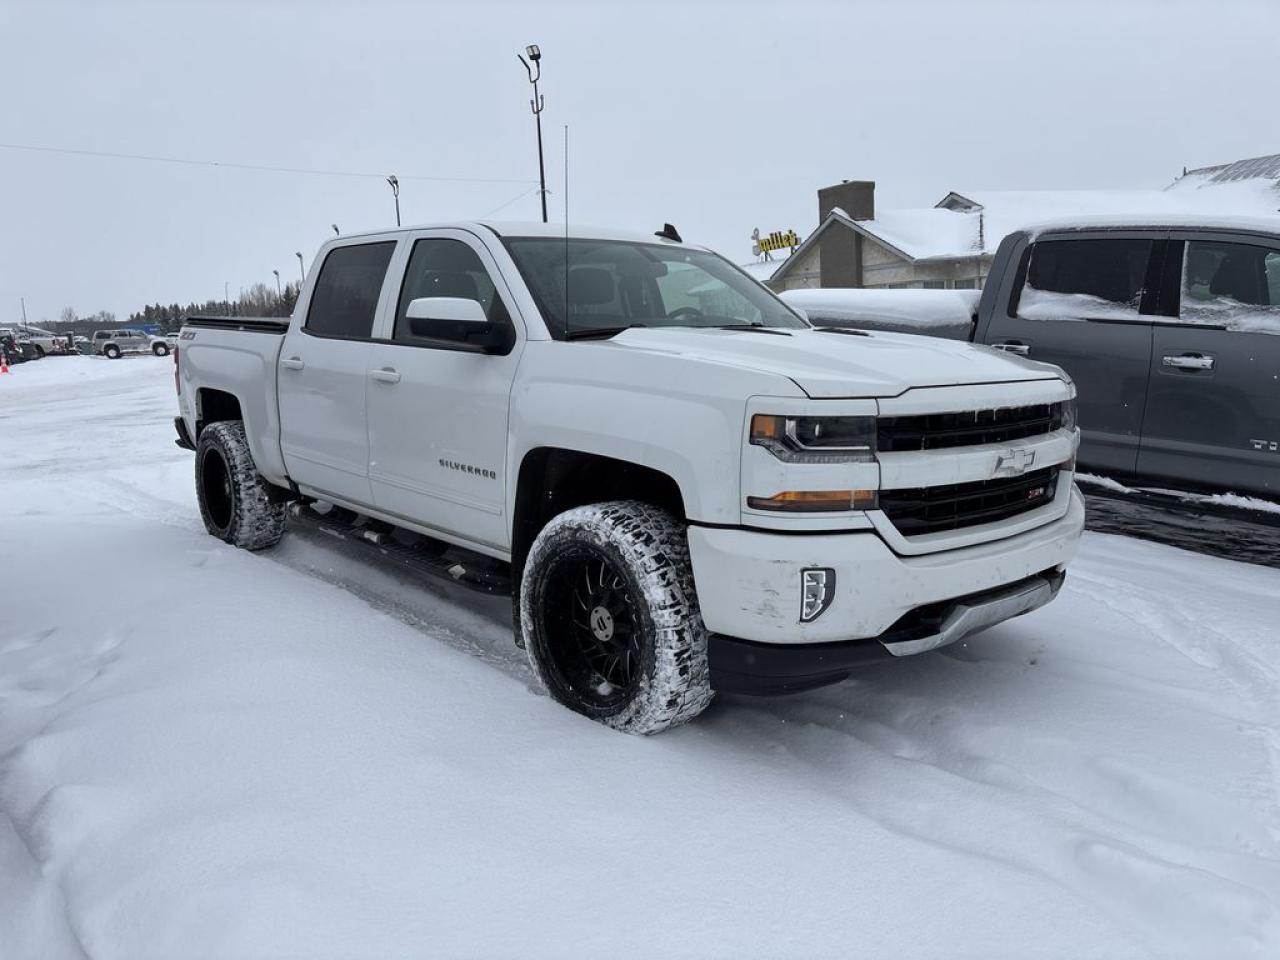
(717, 117)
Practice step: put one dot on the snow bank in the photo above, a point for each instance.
(208, 753)
(946, 313)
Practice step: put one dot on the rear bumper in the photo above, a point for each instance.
(184, 438)
(741, 666)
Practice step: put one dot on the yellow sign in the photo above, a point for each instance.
(778, 240)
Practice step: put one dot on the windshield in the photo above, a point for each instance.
(608, 285)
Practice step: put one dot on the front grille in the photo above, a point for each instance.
(956, 505)
(935, 431)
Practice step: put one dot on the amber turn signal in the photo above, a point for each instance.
(815, 501)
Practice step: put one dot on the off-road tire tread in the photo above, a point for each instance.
(655, 547)
(258, 518)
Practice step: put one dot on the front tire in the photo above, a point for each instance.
(610, 617)
(236, 504)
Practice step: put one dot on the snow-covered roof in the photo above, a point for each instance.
(762, 270)
(966, 223)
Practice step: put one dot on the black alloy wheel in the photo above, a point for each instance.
(590, 625)
(215, 481)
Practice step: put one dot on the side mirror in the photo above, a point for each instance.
(456, 320)
(457, 309)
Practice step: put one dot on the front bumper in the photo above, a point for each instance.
(748, 581)
(740, 666)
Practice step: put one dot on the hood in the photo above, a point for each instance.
(833, 365)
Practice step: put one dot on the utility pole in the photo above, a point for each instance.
(24, 311)
(535, 73)
(395, 192)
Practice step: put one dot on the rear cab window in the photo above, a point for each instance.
(345, 299)
(1233, 285)
(1084, 279)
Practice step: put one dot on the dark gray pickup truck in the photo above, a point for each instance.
(1171, 331)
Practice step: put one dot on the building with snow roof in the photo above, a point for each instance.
(950, 245)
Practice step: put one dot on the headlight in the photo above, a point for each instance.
(815, 439)
(1069, 413)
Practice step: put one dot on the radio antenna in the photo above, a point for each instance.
(566, 229)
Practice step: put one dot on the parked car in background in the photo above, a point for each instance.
(684, 485)
(1171, 331)
(937, 313)
(115, 343)
(44, 341)
(163, 345)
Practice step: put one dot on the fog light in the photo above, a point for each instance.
(817, 590)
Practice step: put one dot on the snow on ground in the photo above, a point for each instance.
(1236, 501)
(209, 753)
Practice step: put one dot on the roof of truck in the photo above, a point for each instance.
(517, 228)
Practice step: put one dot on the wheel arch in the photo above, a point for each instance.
(213, 406)
(552, 480)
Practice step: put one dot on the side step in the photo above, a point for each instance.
(420, 554)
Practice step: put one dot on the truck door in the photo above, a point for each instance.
(323, 374)
(1080, 301)
(439, 401)
(1213, 415)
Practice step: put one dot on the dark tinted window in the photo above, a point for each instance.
(445, 268)
(1234, 285)
(1077, 279)
(346, 294)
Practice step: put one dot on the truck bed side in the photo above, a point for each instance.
(227, 370)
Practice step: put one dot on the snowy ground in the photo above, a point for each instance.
(205, 752)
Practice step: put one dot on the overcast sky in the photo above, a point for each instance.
(717, 117)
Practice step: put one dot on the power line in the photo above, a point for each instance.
(261, 168)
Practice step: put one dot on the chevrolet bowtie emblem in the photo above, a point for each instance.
(1011, 463)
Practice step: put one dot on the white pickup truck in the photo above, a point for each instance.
(689, 487)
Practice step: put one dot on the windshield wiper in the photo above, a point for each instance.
(754, 328)
(847, 331)
(602, 333)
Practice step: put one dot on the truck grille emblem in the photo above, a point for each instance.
(1013, 463)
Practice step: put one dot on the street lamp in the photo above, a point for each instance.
(395, 192)
(335, 230)
(535, 72)
(302, 270)
(278, 291)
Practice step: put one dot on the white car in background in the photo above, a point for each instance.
(114, 344)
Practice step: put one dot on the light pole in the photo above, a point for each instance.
(278, 291)
(226, 292)
(335, 230)
(395, 192)
(535, 72)
(302, 269)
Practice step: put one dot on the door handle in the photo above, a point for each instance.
(1189, 361)
(385, 375)
(1013, 346)
(292, 363)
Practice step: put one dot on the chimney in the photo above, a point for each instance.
(857, 198)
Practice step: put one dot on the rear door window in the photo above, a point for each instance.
(1102, 279)
(345, 299)
(1231, 285)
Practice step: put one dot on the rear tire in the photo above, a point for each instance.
(160, 349)
(236, 504)
(39, 352)
(610, 618)
(111, 351)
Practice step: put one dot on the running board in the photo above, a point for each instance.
(410, 550)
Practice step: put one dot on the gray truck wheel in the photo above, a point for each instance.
(160, 349)
(610, 617)
(235, 502)
(111, 351)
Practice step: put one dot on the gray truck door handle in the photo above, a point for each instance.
(385, 375)
(1189, 361)
(1013, 346)
(292, 363)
